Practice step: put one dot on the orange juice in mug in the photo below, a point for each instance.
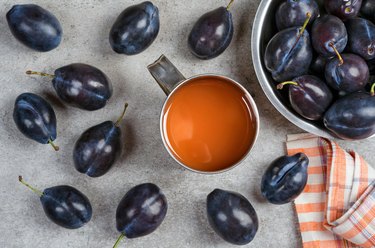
(208, 123)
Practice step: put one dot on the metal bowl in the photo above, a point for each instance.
(263, 30)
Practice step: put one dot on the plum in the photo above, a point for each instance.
(35, 118)
(292, 13)
(212, 33)
(350, 76)
(344, 9)
(309, 96)
(232, 216)
(318, 65)
(361, 37)
(329, 35)
(285, 178)
(98, 148)
(35, 27)
(141, 211)
(80, 85)
(135, 29)
(288, 54)
(352, 116)
(64, 205)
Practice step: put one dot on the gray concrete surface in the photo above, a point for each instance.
(86, 25)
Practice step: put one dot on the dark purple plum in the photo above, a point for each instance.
(352, 117)
(328, 35)
(135, 29)
(368, 9)
(212, 33)
(64, 205)
(344, 9)
(140, 211)
(35, 118)
(292, 13)
(309, 96)
(232, 216)
(80, 85)
(285, 178)
(35, 27)
(350, 76)
(288, 54)
(98, 148)
(318, 65)
(361, 37)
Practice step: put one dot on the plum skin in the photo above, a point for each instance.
(352, 117)
(232, 216)
(285, 178)
(341, 9)
(135, 29)
(286, 56)
(328, 31)
(351, 76)
(97, 149)
(318, 66)
(35, 118)
(66, 206)
(361, 37)
(292, 13)
(82, 86)
(141, 211)
(35, 27)
(211, 34)
(311, 97)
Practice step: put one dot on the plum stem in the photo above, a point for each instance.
(117, 123)
(337, 53)
(55, 147)
(40, 193)
(281, 85)
(372, 91)
(29, 72)
(119, 240)
(230, 4)
(308, 17)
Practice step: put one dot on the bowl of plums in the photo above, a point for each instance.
(315, 61)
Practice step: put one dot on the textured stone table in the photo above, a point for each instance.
(86, 25)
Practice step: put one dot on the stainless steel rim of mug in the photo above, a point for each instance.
(253, 108)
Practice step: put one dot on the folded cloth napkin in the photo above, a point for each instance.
(337, 206)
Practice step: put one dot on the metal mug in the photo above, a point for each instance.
(170, 79)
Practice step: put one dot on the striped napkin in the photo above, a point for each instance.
(337, 207)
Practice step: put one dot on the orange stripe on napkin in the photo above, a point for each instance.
(323, 244)
(310, 207)
(314, 170)
(340, 212)
(315, 188)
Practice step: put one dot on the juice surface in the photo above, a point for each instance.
(208, 124)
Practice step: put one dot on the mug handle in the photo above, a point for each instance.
(165, 74)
